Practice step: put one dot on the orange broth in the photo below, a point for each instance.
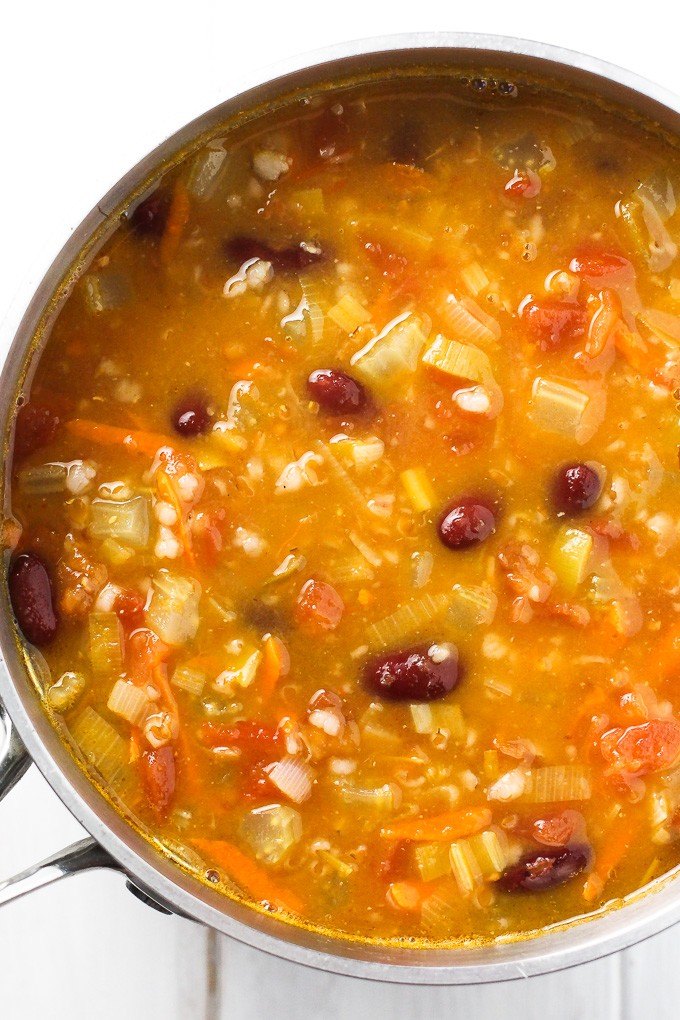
(393, 648)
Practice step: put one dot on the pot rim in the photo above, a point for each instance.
(643, 913)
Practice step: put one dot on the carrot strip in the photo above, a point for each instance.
(270, 669)
(169, 493)
(440, 828)
(618, 840)
(247, 874)
(178, 217)
(407, 895)
(110, 435)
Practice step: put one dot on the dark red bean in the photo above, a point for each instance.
(545, 868)
(190, 416)
(466, 523)
(30, 591)
(36, 426)
(150, 216)
(414, 674)
(576, 487)
(336, 392)
(295, 256)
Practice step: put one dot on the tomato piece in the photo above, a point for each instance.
(157, 772)
(397, 864)
(593, 263)
(558, 830)
(637, 750)
(319, 605)
(129, 606)
(144, 653)
(248, 735)
(523, 184)
(388, 263)
(549, 323)
(257, 785)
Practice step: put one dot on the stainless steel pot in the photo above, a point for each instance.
(26, 733)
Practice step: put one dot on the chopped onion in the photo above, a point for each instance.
(271, 831)
(293, 777)
(173, 609)
(390, 357)
(129, 701)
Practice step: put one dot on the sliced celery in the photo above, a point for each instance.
(105, 291)
(479, 858)
(405, 621)
(63, 694)
(555, 783)
(387, 360)
(432, 860)
(126, 522)
(570, 557)
(376, 800)
(100, 744)
(472, 606)
(106, 650)
(349, 314)
(559, 405)
(173, 609)
(418, 489)
(271, 831)
(129, 702)
(187, 679)
(461, 360)
(205, 171)
(43, 480)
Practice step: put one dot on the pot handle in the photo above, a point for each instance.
(84, 855)
(14, 758)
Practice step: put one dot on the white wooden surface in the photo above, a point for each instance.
(85, 90)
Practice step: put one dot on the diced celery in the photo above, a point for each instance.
(437, 717)
(115, 553)
(559, 405)
(491, 764)
(340, 867)
(100, 744)
(127, 522)
(63, 694)
(418, 489)
(352, 491)
(43, 480)
(407, 619)
(106, 651)
(377, 800)
(474, 278)
(664, 326)
(187, 679)
(173, 610)
(310, 201)
(570, 557)
(129, 702)
(271, 831)
(441, 913)
(387, 360)
(421, 715)
(432, 861)
(465, 867)
(105, 291)
(479, 858)
(462, 360)
(472, 606)
(555, 783)
(205, 171)
(349, 314)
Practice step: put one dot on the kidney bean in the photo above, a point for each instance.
(421, 673)
(190, 416)
(466, 523)
(150, 216)
(35, 427)
(545, 868)
(336, 392)
(157, 773)
(295, 256)
(30, 592)
(576, 487)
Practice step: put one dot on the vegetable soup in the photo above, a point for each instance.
(345, 509)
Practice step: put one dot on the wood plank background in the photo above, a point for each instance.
(86, 90)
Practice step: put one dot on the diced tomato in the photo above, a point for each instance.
(523, 184)
(595, 263)
(388, 263)
(157, 772)
(397, 863)
(144, 653)
(549, 323)
(248, 735)
(638, 750)
(256, 783)
(207, 533)
(558, 830)
(129, 606)
(319, 605)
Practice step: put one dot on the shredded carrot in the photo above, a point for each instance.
(618, 840)
(136, 441)
(247, 874)
(270, 669)
(440, 828)
(178, 217)
(647, 359)
(168, 492)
